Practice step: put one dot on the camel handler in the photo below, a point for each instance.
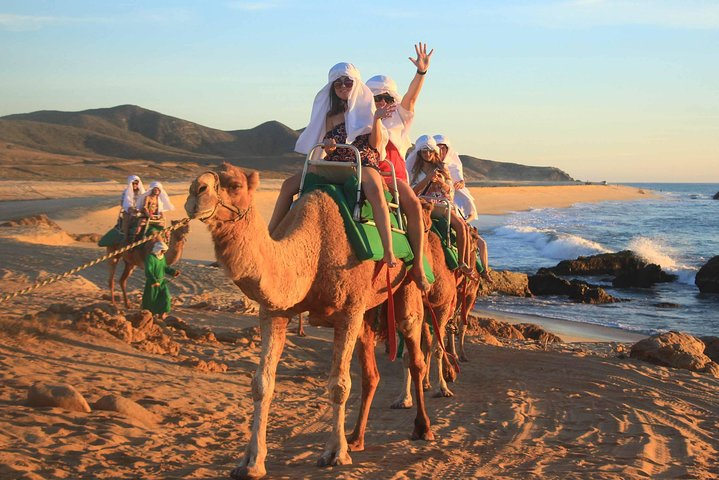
(130, 196)
(156, 296)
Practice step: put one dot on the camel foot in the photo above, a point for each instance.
(334, 458)
(425, 435)
(463, 358)
(301, 333)
(402, 403)
(355, 444)
(246, 472)
(426, 386)
(443, 392)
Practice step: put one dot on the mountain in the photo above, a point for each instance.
(127, 139)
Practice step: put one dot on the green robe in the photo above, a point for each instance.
(156, 299)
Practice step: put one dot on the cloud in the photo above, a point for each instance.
(692, 14)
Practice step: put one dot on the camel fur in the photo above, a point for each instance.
(136, 258)
(307, 266)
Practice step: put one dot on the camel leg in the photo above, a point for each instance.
(447, 368)
(111, 280)
(427, 340)
(404, 399)
(300, 330)
(336, 451)
(437, 342)
(272, 331)
(462, 332)
(370, 379)
(126, 272)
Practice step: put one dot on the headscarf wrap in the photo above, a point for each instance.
(425, 141)
(359, 115)
(128, 196)
(462, 197)
(163, 202)
(397, 127)
(158, 247)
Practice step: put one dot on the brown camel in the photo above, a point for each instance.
(306, 266)
(442, 299)
(136, 258)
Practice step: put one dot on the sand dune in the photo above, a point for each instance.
(575, 410)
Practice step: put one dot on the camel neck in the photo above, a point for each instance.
(257, 263)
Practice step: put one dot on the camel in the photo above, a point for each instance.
(136, 258)
(442, 298)
(306, 266)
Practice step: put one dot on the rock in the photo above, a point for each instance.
(41, 220)
(535, 332)
(203, 366)
(127, 408)
(141, 320)
(62, 396)
(630, 270)
(716, 196)
(86, 237)
(547, 283)
(488, 339)
(667, 305)
(711, 347)
(707, 278)
(505, 283)
(490, 326)
(673, 349)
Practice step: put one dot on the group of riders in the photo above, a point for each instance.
(375, 119)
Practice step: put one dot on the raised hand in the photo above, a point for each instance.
(385, 112)
(422, 60)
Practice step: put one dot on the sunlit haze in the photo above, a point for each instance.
(603, 89)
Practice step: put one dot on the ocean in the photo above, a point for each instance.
(679, 231)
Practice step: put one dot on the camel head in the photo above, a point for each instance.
(223, 195)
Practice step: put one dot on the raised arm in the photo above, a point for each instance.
(415, 86)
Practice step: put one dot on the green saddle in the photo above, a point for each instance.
(449, 246)
(115, 237)
(364, 238)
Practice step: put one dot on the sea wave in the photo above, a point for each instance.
(551, 243)
(653, 251)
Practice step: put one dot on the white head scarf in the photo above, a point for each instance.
(454, 164)
(158, 247)
(463, 197)
(397, 127)
(163, 202)
(128, 196)
(423, 142)
(359, 115)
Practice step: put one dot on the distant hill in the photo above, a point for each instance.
(113, 142)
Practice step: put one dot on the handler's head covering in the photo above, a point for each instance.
(397, 127)
(359, 115)
(128, 196)
(159, 247)
(163, 203)
(425, 142)
(452, 160)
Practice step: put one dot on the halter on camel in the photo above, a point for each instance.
(239, 213)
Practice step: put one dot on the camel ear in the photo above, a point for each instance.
(253, 181)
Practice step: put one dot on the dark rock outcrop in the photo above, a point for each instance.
(677, 350)
(716, 196)
(547, 283)
(711, 347)
(628, 268)
(707, 278)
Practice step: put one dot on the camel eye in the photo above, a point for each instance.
(235, 186)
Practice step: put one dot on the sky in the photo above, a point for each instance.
(615, 90)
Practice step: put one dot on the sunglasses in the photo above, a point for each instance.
(384, 96)
(343, 82)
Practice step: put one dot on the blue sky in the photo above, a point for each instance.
(613, 90)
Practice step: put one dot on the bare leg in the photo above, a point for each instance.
(272, 330)
(289, 189)
(460, 229)
(415, 231)
(483, 253)
(370, 379)
(462, 353)
(126, 272)
(300, 330)
(336, 450)
(372, 185)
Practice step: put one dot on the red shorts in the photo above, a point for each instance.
(400, 167)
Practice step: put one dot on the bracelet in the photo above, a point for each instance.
(421, 73)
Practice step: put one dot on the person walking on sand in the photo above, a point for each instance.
(156, 296)
(344, 112)
(398, 125)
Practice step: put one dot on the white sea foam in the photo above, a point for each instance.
(550, 243)
(654, 251)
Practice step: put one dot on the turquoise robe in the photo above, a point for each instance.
(156, 299)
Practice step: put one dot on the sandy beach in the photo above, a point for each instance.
(576, 409)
